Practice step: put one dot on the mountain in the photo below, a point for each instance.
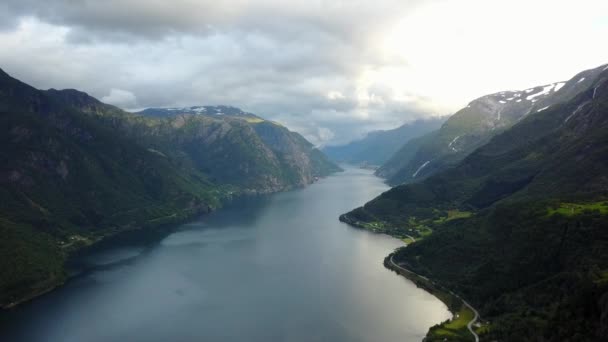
(519, 227)
(378, 146)
(474, 125)
(400, 159)
(75, 171)
(212, 111)
(234, 147)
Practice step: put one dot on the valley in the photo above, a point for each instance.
(260, 269)
(341, 171)
(517, 223)
(77, 171)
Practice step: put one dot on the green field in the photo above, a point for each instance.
(407, 240)
(573, 209)
(453, 215)
(454, 329)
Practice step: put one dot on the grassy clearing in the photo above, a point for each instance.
(414, 227)
(573, 209)
(601, 277)
(375, 226)
(418, 229)
(453, 214)
(407, 240)
(481, 330)
(424, 231)
(461, 319)
(455, 328)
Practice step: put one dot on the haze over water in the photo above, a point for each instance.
(274, 268)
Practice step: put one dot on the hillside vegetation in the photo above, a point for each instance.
(532, 251)
(75, 171)
(475, 125)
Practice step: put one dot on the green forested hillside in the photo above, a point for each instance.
(75, 170)
(519, 227)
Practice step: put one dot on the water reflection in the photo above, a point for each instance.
(275, 268)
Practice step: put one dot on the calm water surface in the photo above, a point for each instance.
(276, 268)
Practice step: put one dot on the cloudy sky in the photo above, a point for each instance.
(331, 70)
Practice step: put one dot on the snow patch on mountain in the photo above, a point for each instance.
(578, 109)
(546, 90)
(540, 110)
(452, 143)
(420, 168)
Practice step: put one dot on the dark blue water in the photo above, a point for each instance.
(275, 268)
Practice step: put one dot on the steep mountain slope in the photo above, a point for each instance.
(520, 225)
(476, 124)
(76, 170)
(235, 147)
(378, 146)
(400, 159)
(68, 180)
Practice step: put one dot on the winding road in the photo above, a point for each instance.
(475, 318)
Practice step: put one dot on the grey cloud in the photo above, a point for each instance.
(155, 19)
(279, 59)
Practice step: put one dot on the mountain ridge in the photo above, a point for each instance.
(378, 146)
(76, 171)
(473, 126)
(522, 221)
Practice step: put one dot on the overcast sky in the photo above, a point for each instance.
(331, 70)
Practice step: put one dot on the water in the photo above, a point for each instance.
(275, 268)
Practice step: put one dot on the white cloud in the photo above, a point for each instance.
(458, 50)
(120, 98)
(323, 134)
(331, 70)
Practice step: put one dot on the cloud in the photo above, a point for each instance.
(120, 98)
(333, 70)
(157, 19)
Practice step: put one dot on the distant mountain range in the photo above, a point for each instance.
(508, 206)
(213, 111)
(76, 171)
(378, 146)
(474, 125)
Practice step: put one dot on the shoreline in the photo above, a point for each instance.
(35, 294)
(444, 295)
(99, 243)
